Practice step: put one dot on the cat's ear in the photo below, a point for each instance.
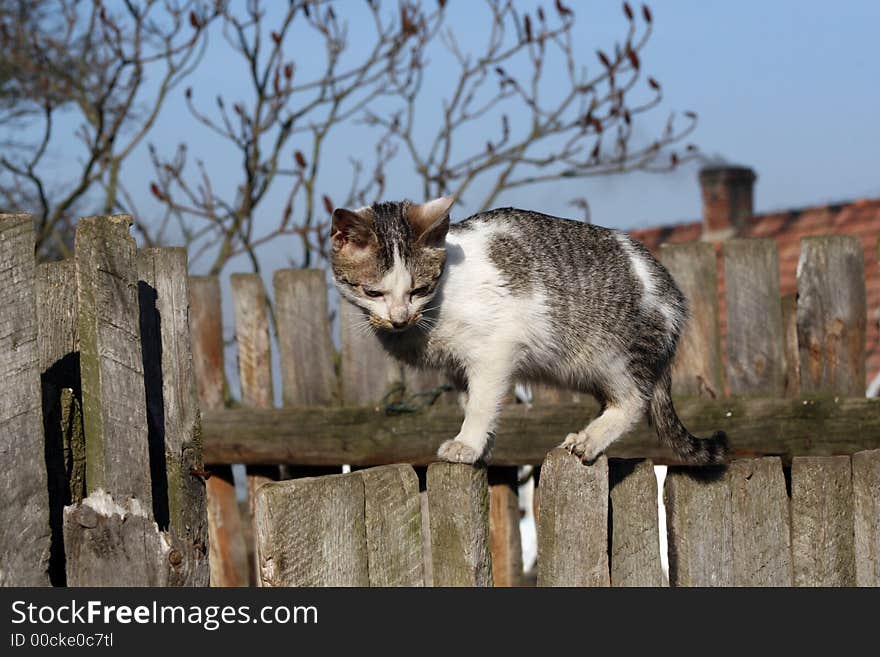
(352, 228)
(430, 221)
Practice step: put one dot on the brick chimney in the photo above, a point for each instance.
(727, 200)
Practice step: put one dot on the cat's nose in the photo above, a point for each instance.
(398, 325)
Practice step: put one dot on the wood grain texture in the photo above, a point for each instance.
(425, 512)
(831, 315)
(25, 536)
(173, 409)
(458, 498)
(303, 326)
(818, 426)
(206, 331)
(112, 545)
(58, 343)
(696, 369)
(367, 372)
(572, 522)
(866, 512)
(227, 551)
(111, 365)
(635, 544)
(228, 559)
(755, 347)
(505, 542)
(250, 307)
(761, 530)
(252, 337)
(311, 532)
(822, 543)
(792, 355)
(393, 524)
(700, 527)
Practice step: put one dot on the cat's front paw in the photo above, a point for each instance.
(579, 445)
(455, 451)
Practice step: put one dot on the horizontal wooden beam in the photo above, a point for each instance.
(816, 426)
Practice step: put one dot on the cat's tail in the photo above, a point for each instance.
(693, 450)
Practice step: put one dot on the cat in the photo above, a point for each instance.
(512, 295)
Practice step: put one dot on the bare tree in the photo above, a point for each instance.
(585, 129)
(280, 131)
(110, 68)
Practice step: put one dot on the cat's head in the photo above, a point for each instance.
(388, 257)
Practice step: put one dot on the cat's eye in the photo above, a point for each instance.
(420, 291)
(373, 293)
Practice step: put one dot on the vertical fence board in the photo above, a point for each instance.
(172, 408)
(58, 343)
(700, 527)
(505, 542)
(866, 511)
(252, 336)
(311, 532)
(111, 366)
(761, 535)
(25, 535)
(112, 538)
(228, 553)
(572, 522)
(367, 371)
(831, 315)
(392, 518)
(303, 326)
(250, 307)
(792, 355)
(306, 350)
(822, 549)
(697, 366)
(458, 497)
(754, 343)
(635, 543)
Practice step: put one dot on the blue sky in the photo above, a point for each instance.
(791, 88)
(788, 87)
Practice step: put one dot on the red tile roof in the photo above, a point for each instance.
(858, 218)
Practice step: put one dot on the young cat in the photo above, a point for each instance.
(516, 295)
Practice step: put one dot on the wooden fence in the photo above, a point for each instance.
(107, 359)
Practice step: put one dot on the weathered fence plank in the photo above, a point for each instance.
(866, 511)
(831, 315)
(58, 343)
(697, 366)
(252, 336)
(250, 307)
(311, 532)
(173, 411)
(318, 436)
(700, 527)
(505, 542)
(635, 544)
(754, 347)
(458, 498)
(792, 355)
(392, 518)
(112, 538)
(111, 366)
(25, 536)
(302, 323)
(572, 522)
(367, 372)
(761, 534)
(107, 544)
(228, 554)
(822, 549)
(303, 327)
